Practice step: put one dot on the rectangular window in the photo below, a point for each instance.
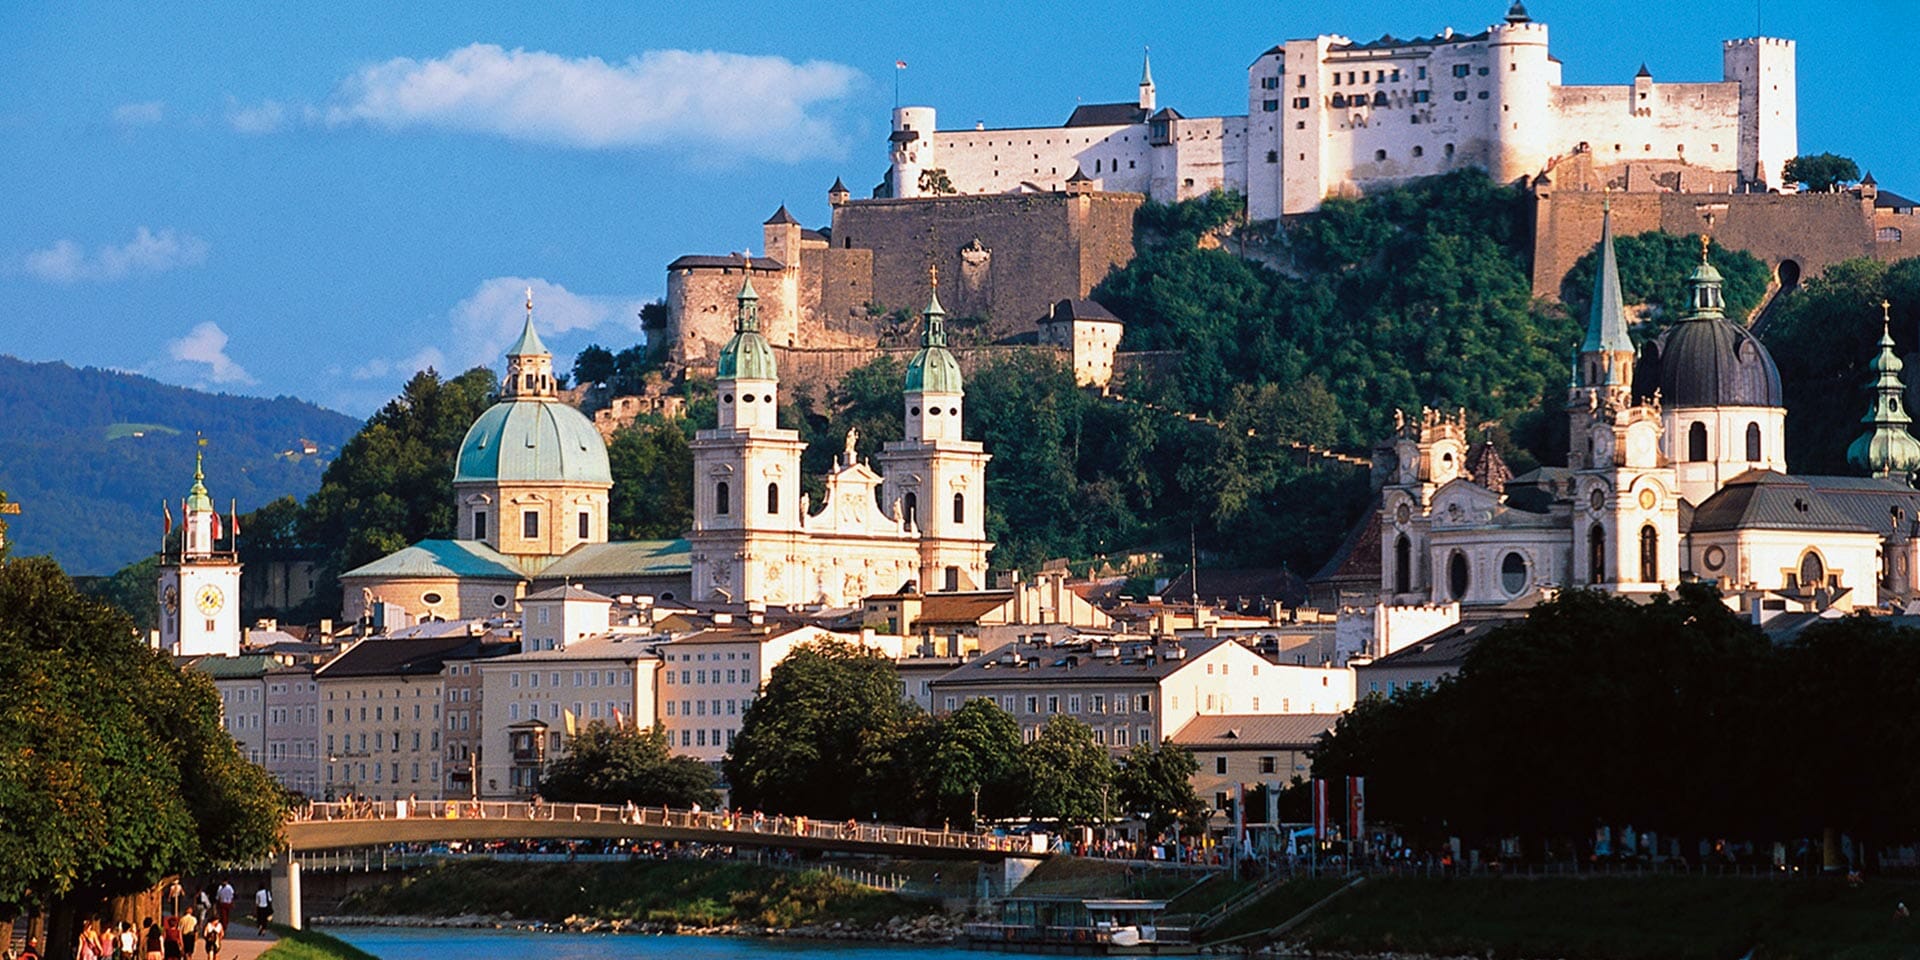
(1053, 704)
(1073, 703)
(1422, 96)
(480, 525)
(1119, 736)
(1269, 106)
(1461, 69)
(1143, 735)
(1145, 703)
(1220, 764)
(1301, 103)
(1269, 83)
(951, 701)
(1099, 703)
(1420, 73)
(670, 708)
(1033, 704)
(586, 525)
(530, 524)
(1266, 764)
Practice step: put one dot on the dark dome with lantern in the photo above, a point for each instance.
(1707, 360)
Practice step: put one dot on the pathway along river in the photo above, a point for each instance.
(406, 943)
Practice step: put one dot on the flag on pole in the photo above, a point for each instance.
(166, 531)
(1356, 807)
(216, 526)
(1319, 809)
(233, 521)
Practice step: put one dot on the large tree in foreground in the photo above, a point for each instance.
(115, 770)
(607, 764)
(1069, 777)
(824, 738)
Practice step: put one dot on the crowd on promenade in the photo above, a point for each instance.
(188, 928)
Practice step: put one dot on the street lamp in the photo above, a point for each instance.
(976, 805)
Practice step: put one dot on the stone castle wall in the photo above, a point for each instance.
(1797, 234)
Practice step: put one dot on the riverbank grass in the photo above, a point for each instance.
(311, 945)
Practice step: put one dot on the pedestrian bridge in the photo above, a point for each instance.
(330, 826)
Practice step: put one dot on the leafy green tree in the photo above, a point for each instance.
(393, 482)
(592, 365)
(825, 737)
(607, 764)
(1821, 336)
(1820, 172)
(1654, 267)
(652, 467)
(973, 752)
(1157, 779)
(1069, 776)
(118, 771)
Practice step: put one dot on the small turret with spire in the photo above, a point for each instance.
(1147, 98)
(1887, 450)
(934, 387)
(747, 375)
(1605, 365)
(529, 364)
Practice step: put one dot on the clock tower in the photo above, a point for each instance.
(200, 580)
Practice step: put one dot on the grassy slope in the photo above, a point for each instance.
(1622, 919)
(312, 945)
(690, 892)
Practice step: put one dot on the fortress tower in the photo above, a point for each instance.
(1524, 76)
(1769, 110)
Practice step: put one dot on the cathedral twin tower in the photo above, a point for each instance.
(757, 537)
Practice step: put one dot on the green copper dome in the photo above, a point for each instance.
(198, 500)
(933, 369)
(532, 441)
(1886, 450)
(748, 356)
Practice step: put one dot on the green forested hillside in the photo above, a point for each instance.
(91, 453)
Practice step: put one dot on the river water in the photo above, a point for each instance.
(404, 943)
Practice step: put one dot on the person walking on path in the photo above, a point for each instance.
(153, 942)
(189, 928)
(212, 934)
(263, 907)
(225, 898)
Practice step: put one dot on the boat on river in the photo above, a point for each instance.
(1109, 926)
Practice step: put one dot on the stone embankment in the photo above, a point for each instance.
(923, 929)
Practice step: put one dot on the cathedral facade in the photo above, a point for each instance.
(757, 537)
(1676, 471)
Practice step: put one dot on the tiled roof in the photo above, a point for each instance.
(962, 607)
(1887, 198)
(1106, 115)
(1248, 730)
(1448, 646)
(242, 667)
(567, 591)
(420, 656)
(442, 558)
(703, 260)
(781, 216)
(1077, 664)
(1870, 501)
(1229, 586)
(1764, 500)
(625, 558)
(601, 646)
(1064, 310)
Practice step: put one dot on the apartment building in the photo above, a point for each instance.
(535, 700)
(381, 706)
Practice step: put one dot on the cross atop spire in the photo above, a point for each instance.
(935, 333)
(529, 344)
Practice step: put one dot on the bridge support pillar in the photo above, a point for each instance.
(1013, 871)
(285, 884)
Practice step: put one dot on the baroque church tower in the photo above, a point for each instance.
(1626, 503)
(746, 499)
(937, 478)
(199, 584)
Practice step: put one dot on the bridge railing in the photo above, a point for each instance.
(747, 827)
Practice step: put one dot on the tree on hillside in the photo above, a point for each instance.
(1157, 779)
(652, 467)
(118, 769)
(1654, 267)
(1820, 172)
(593, 365)
(393, 482)
(606, 764)
(1069, 776)
(824, 738)
(970, 757)
(1822, 337)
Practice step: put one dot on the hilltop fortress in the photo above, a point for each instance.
(1018, 219)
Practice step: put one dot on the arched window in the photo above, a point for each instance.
(1457, 576)
(1753, 443)
(1596, 554)
(910, 508)
(773, 499)
(1649, 554)
(722, 503)
(959, 508)
(1402, 564)
(1813, 572)
(1697, 442)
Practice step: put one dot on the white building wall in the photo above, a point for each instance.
(1118, 158)
(1697, 480)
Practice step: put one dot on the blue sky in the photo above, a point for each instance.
(314, 199)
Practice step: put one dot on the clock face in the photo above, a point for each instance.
(1597, 500)
(1648, 498)
(171, 598)
(210, 599)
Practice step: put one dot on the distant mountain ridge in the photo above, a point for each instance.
(90, 454)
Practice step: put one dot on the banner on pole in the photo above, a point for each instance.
(1356, 808)
(1319, 809)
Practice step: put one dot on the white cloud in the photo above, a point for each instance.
(380, 367)
(148, 252)
(755, 106)
(266, 116)
(207, 344)
(489, 319)
(143, 114)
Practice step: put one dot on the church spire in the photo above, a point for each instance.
(529, 364)
(1706, 301)
(935, 332)
(1606, 356)
(529, 344)
(1146, 80)
(749, 301)
(1886, 450)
